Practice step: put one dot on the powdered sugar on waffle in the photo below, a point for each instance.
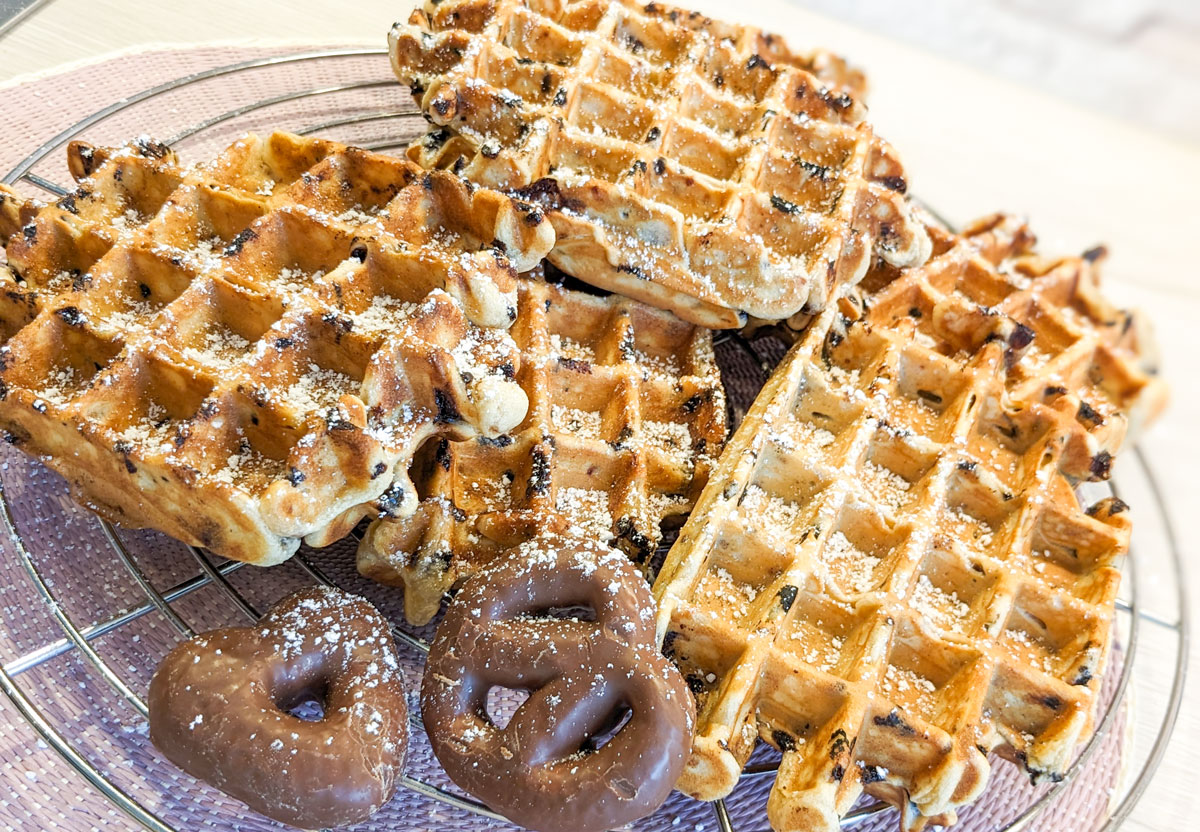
(481, 350)
(59, 386)
(943, 608)
(567, 347)
(382, 314)
(219, 348)
(736, 596)
(906, 686)
(588, 511)
(795, 435)
(847, 566)
(318, 389)
(775, 517)
(886, 486)
(582, 423)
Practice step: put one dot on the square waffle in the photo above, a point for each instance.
(690, 164)
(889, 574)
(626, 414)
(248, 352)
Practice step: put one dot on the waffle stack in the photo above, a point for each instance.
(889, 574)
(248, 352)
(626, 414)
(696, 166)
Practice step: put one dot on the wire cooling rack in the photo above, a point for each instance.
(99, 605)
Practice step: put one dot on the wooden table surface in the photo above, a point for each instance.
(972, 144)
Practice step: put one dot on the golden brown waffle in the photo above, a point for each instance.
(626, 412)
(1066, 345)
(889, 574)
(248, 352)
(693, 165)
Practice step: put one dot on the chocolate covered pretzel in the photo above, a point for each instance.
(220, 710)
(549, 768)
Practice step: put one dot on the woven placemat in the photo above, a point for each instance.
(38, 789)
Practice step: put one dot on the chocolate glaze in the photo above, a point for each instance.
(542, 770)
(219, 710)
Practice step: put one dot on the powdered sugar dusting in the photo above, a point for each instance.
(673, 439)
(383, 314)
(772, 517)
(906, 687)
(566, 347)
(318, 388)
(944, 609)
(886, 486)
(583, 423)
(220, 347)
(587, 510)
(796, 435)
(968, 530)
(248, 468)
(818, 648)
(727, 594)
(850, 567)
(60, 384)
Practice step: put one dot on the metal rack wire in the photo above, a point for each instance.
(395, 123)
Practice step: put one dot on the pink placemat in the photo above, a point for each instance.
(38, 789)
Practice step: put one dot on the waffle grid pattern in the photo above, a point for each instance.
(1066, 345)
(693, 165)
(888, 577)
(626, 415)
(196, 349)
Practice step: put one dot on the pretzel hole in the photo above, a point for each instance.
(307, 704)
(502, 703)
(616, 721)
(575, 612)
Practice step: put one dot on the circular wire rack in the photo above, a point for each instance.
(129, 588)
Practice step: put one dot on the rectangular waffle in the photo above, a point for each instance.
(889, 574)
(626, 414)
(248, 352)
(690, 164)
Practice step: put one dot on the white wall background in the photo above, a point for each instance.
(1135, 59)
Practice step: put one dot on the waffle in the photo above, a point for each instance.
(889, 574)
(248, 352)
(626, 412)
(693, 165)
(1066, 345)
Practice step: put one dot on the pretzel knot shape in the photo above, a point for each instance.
(219, 709)
(543, 770)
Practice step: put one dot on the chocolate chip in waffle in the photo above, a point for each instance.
(889, 574)
(626, 412)
(248, 352)
(689, 164)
